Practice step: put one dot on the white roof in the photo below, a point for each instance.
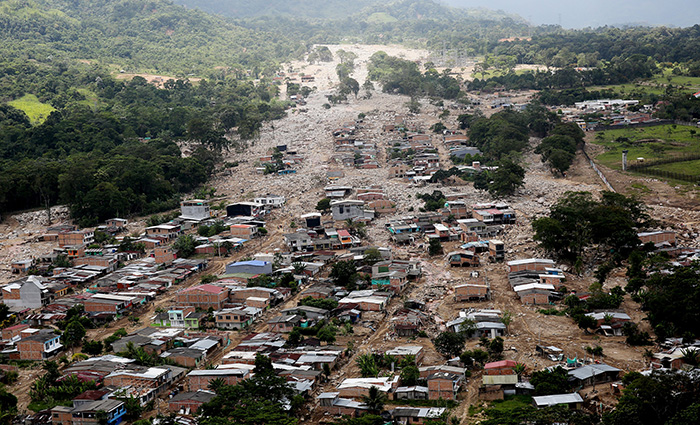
(553, 400)
(530, 286)
(384, 384)
(405, 350)
(529, 261)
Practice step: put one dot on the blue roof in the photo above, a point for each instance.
(256, 263)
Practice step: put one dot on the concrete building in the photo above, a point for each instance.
(29, 292)
(195, 210)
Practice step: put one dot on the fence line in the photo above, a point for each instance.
(661, 161)
(669, 175)
(597, 170)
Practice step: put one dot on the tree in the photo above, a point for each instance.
(344, 273)
(547, 382)
(74, 334)
(8, 406)
(133, 408)
(184, 245)
(92, 347)
(374, 400)
(506, 179)
(372, 256)
(367, 364)
(323, 205)
(449, 344)
(409, 375)
(495, 348)
(327, 334)
(434, 247)
(507, 319)
(659, 398)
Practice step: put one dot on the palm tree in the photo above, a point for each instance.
(374, 400)
(691, 356)
(216, 384)
(519, 369)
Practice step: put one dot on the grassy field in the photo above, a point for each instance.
(686, 167)
(35, 110)
(649, 143)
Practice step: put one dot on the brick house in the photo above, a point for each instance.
(233, 318)
(163, 254)
(472, 291)
(199, 379)
(204, 296)
(190, 400)
(39, 344)
(29, 292)
(284, 323)
(532, 264)
(78, 237)
(13, 331)
(443, 385)
(244, 231)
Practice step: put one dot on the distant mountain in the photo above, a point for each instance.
(152, 35)
(314, 9)
(373, 11)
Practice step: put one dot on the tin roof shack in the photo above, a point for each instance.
(573, 400)
(592, 374)
(610, 323)
(333, 404)
(408, 322)
(416, 415)
(28, 292)
(416, 392)
(189, 402)
(359, 387)
(199, 379)
(404, 351)
(367, 300)
(203, 296)
(444, 385)
(534, 293)
(659, 238)
(255, 267)
(674, 358)
(87, 413)
(532, 264)
(485, 323)
(144, 383)
(551, 352)
(38, 344)
(463, 258)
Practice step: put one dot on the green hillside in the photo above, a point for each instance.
(148, 35)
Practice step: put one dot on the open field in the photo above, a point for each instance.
(35, 110)
(649, 143)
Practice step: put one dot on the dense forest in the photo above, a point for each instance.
(109, 148)
(152, 35)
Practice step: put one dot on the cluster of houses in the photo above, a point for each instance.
(437, 382)
(502, 378)
(478, 323)
(411, 155)
(351, 150)
(535, 280)
(476, 226)
(280, 160)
